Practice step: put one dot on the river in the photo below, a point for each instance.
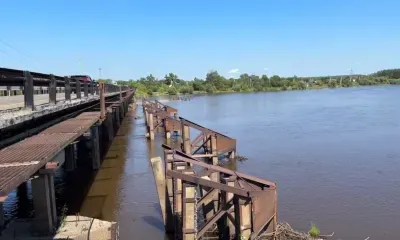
(332, 152)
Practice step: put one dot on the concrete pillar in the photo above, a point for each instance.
(159, 177)
(215, 176)
(178, 203)
(94, 134)
(244, 211)
(146, 117)
(110, 128)
(151, 126)
(122, 111)
(2, 217)
(232, 155)
(117, 116)
(44, 203)
(167, 135)
(70, 160)
(187, 148)
(228, 197)
(189, 210)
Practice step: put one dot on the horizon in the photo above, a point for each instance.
(132, 40)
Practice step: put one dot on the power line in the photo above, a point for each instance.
(13, 48)
(6, 53)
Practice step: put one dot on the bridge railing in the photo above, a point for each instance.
(27, 81)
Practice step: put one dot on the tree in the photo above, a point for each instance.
(265, 81)
(171, 79)
(276, 81)
(108, 81)
(213, 78)
(150, 78)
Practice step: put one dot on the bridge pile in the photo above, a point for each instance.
(196, 195)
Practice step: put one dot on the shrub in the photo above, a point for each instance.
(314, 231)
(210, 88)
(236, 88)
(172, 91)
(186, 90)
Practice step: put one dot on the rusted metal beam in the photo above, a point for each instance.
(203, 155)
(215, 218)
(202, 145)
(211, 184)
(208, 196)
(178, 155)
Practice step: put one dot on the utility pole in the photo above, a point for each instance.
(99, 73)
(351, 74)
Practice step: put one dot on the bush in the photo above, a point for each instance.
(258, 88)
(236, 88)
(314, 231)
(332, 84)
(172, 91)
(186, 90)
(210, 88)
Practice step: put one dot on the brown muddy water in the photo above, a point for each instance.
(333, 153)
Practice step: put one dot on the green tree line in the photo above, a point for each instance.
(213, 82)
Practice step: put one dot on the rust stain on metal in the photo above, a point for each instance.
(41, 149)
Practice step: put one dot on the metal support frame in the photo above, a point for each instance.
(246, 204)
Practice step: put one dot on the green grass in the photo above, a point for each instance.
(314, 231)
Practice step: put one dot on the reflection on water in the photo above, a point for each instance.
(333, 153)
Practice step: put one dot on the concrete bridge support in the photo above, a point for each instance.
(2, 217)
(117, 116)
(70, 158)
(151, 126)
(94, 137)
(44, 203)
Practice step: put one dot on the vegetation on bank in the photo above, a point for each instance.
(171, 84)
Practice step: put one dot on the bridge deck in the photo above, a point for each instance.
(20, 161)
(9, 102)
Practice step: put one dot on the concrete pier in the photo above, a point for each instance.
(70, 158)
(94, 137)
(44, 204)
(2, 217)
(151, 126)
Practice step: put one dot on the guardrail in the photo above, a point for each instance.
(29, 80)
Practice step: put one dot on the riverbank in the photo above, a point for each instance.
(277, 89)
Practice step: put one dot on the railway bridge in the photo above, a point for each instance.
(41, 128)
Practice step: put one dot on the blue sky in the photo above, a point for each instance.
(130, 39)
